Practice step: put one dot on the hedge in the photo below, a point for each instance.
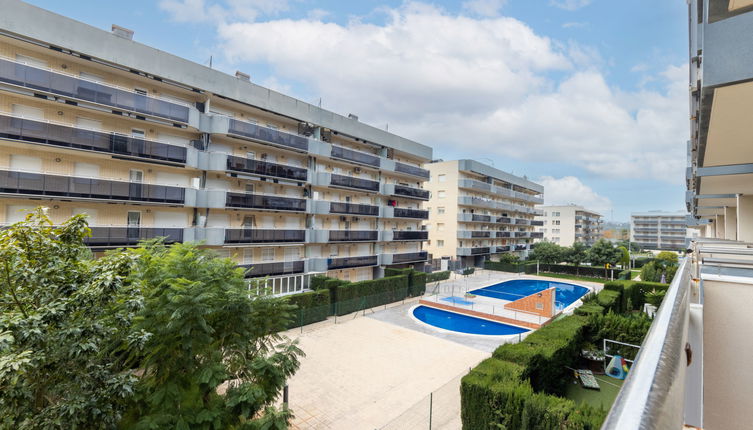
(311, 307)
(589, 309)
(566, 269)
(418, 284)
(640, 262)
(623, 328)
(633, 293)
(510, 267)
(438, 276)
(356, 296)
(610, 300)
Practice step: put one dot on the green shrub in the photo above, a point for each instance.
(623, 328)
(438, 276)
(501, 266)
(589, 309)
(356, 296)
(418, 284)
(610, 300)
(317, 282)
(469, 271)
(312, 306)
(633, 293)
(625, 275)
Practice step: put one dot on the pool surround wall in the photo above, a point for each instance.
(481, 315)
(506, 338)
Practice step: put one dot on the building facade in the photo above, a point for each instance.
(148, 144)
(567, 224)
(659, 230)
(477, 211)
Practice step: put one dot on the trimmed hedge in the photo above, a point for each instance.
(509, 267)
(566, 269)
(588, 309)
(623, 328)
(417, 284)
(356, 296)
(438, 276)
(311, 307)
(610, 300)
(633, 293)
(317, 282)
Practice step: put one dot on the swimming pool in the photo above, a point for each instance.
(455, 300)
(463, 323)
(516, 289)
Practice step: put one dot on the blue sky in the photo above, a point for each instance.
(587, 96)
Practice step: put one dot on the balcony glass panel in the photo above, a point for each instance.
(537, 235)
(265, 134)
(411, 213)
(69, 86)
(27, 130)
(353, 208)
(259, 201)
(66, 186)
(479, 251)
(481, 218)
(249, 235)
(353, 182)
(415, 193)
(410, 235)
(346, 262)
(504, 248)
(537, 223)
(503, 234)
(411, 170)
(125, 236)
(266, 168)
(504, 220)
(255, 270)
(356, 156)
(409, 257)
(480, 234)
(353, 235)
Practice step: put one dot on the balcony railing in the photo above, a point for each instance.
(348, 262)
(410, 235)
(522, 234)
(502, 248)
(266, 168)
(504, 220)
(522, 222)
(252, 235)
(355, 156)
(129, 236)
(87, 188)
(353, 182)
(353, 209)
(353, 235)
(414, 193)
(255, 270)
(537, 223)
(411, 170)
(537, 235)
(503, 234)
(410, 257)
(481, 218)
(31, 131)
(521, 247)
(47, 81)
(261, 201)
(410, 213)
(267, 135)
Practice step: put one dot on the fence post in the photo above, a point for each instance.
(431, 400)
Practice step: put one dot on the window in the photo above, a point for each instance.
(556, 222)
(440, 210)
(540, 306)
(267, 254)
(556, 239)
(555, 214)
(442, 178)
(440, 226)
(555, 231)
(441, 194)
(440, 243)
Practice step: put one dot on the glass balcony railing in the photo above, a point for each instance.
(353, 182)
(504, 220)
(521, 247)
(410, 235)
(537, 223)
(353, 235)
(348, 262)
(481, 234)
(266, 168)
(255, 270)
(503, 248)
(481, 218)
(267, 135)
(39, 184)
(520, 221)
(409, 257)
(252, 235)
(261, 201)
(411, 213)
(40, 132)
(34, 78)
(353, 209)
(480, 251)
(415, 193)
(129, 236)
(355, 156)
(537, 235)
(503, 234)
(411, 170)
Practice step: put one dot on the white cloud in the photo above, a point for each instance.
(574, 24)
(486, 8)
(216, 11)
(569, 4)
(453, 82)
(569, 189)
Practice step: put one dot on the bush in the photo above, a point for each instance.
(356, 296)
(623, 328)
(633, 293)
(438, 276)
(589, 309)
(596, 272)
(312, 306)
(642, 261)
(418, 284)
(317, 282)
(508, 267)
(625, 275)
(469, 271)
(652, 272)
(610, 300)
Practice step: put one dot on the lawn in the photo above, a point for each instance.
(573, 277)
(604, 397)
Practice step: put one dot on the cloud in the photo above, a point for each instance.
(484, 8)
(574, 25)
(217, 12)
(569, 189)
(569, 4)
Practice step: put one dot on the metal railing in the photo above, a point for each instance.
(347, 262)
(261, 201)
(128, 236)
(267, 135)
(254, 270)
(355, 156)
(411, 170)
(353, 235)
(353, 209)
(353, 182)
(409, 257)
(266, 168)
(410, 235)
(252, 235)
(416, 193)
(410, 213)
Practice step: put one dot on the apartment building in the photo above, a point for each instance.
(659, 230)
(148, 144)
(689, 372)
(477, 211)
(567, 224)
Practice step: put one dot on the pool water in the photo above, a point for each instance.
(516, 289)
(463, 323)
(457, 300)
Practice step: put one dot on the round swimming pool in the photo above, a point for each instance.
(516, 289)
(463, 323)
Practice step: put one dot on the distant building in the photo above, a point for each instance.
(567, 224)
(659, 230)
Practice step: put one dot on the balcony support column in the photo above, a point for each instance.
(719, 226)
(745, 218)
(730, 222)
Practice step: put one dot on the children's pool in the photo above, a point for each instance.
(463, 323)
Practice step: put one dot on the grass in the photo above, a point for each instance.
(598, 398)
(573, 277)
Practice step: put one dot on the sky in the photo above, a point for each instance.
(587, 97)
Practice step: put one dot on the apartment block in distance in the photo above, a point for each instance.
(659, 230)
(148, 144)
(477, 211)
(689, 372)
(567, 224)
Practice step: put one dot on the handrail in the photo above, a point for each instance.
(653, 395)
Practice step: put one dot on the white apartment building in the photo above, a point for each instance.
(567, 224)
(659, 230)
(148, 144)
(477, 211)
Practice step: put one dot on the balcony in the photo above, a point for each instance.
(404, 235)
(405, 258)
(58, 135)
(498, 190)
(522, 234)
(403, 191)
(537, 235)
(256, 270)
(350, 262)
(265, 168)
(67, 86)
(521, 247)
(324, 179)
(504, 220)
(412, 170)
(474, 234)
(65, 187)
(252, 235)
(131, 236)
(353, 235)
(355, 156)
(393, 212)
(473, 251)
(537, 223)
(519, 221)
(474, 218)
(503, 234)
(502, 248)
(263, 201)
(352, 209)
(267, 135)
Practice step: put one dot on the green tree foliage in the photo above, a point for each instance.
(576, 254)
(603, 252)
(668, 257)
(509, 258)
(547, 252)
(653, 271)
(624, 257)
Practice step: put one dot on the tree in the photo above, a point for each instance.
(603, 252)
(546, 252)
(668, 257)
(509, 258)
(576, 254)
(624, 257)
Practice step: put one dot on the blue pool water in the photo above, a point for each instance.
(463, 323)
(519, 288)
(457, 300)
